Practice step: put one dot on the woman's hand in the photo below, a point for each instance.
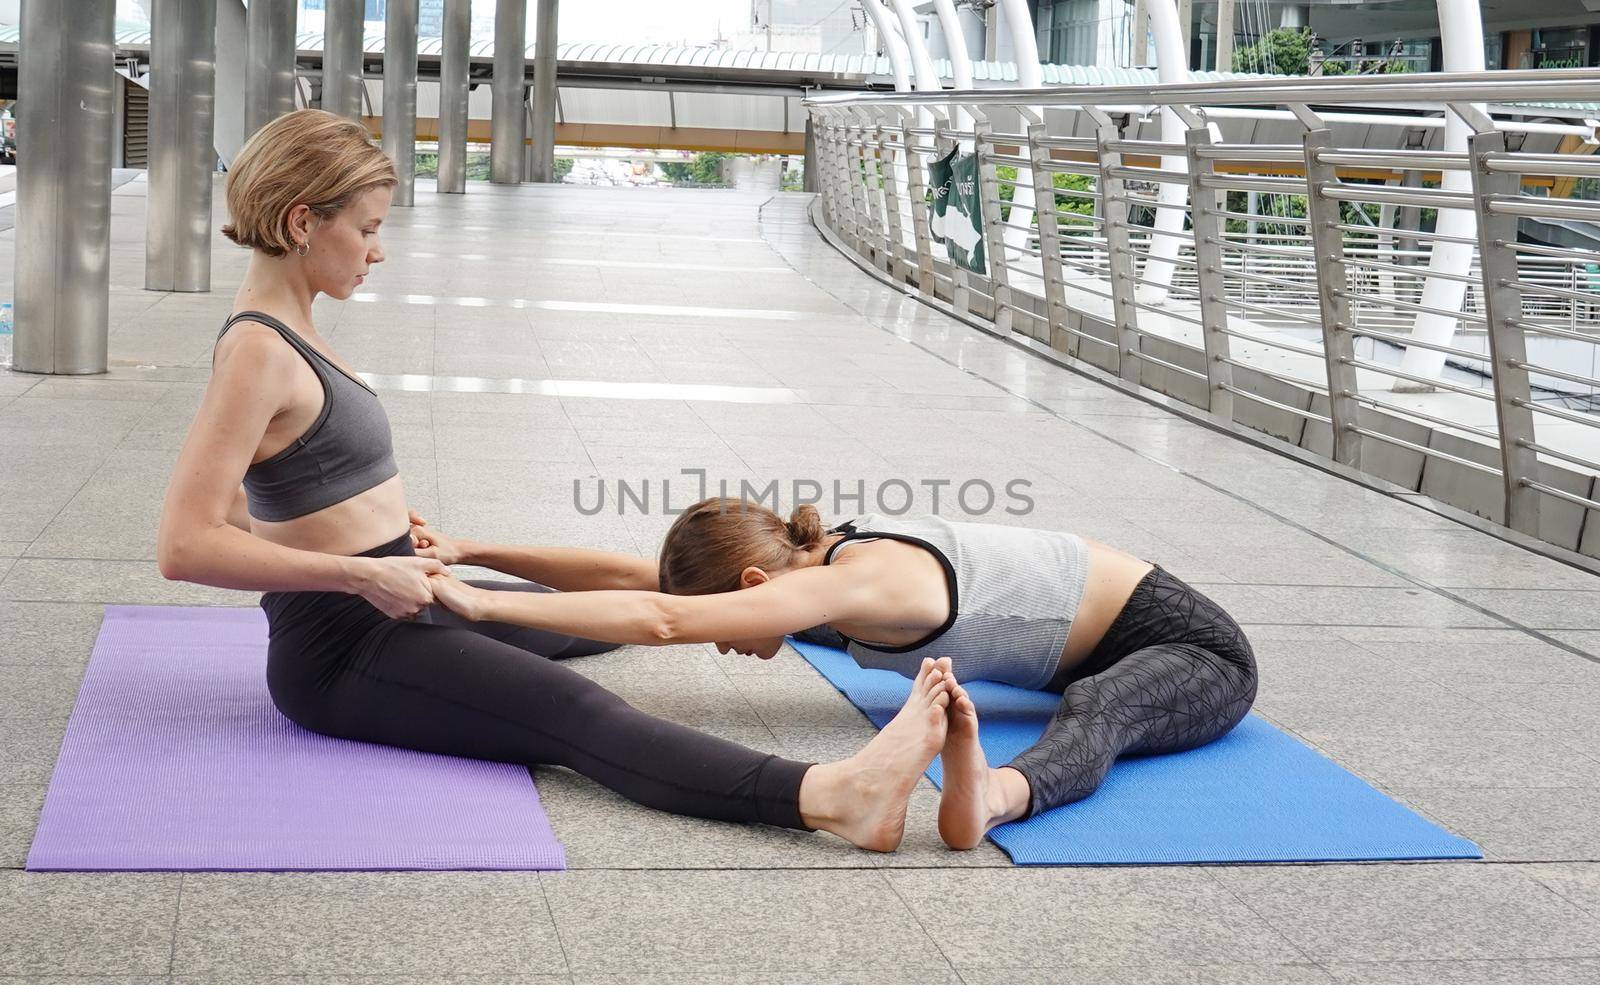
(429, 542)
(457, 596)
(399, 587)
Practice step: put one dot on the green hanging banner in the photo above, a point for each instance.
(939, 190)
(957, 209)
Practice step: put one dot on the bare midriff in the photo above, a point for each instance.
(1113, 575)
(360, 523)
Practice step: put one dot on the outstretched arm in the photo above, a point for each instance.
(566, 569)
(798, 600)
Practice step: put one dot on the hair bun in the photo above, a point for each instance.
(805, 526)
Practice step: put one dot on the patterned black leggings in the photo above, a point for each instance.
(1173, 672)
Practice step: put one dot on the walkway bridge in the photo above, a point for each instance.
(1281, 302)
(529, 341)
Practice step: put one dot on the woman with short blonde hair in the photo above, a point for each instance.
(287, 484)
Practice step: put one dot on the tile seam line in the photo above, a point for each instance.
(888, 883)
(1237, 497)
(1264, 920)
(544, 893)
(177, 922)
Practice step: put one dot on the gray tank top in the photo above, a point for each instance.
(1013, 594)
(347, 450)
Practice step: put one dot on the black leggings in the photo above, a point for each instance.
(338, 666)
(1172, 673)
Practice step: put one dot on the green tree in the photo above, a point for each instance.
(1007, 176)
(702, 169)
(1286, 51)
(563, 168)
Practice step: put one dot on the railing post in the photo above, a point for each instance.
(872, 159)
(824, 168)
(917, 188)
(1044, 207)
(994, 235)
(1203, 206)
(860, 196)
(1119, 254)
(1508, 347)
(891, 201)
(1338, 345)
(849, 182)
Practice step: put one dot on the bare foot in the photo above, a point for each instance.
(877, 781)
(964, 813)
(975, 798)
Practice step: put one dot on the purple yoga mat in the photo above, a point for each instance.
(175, 758)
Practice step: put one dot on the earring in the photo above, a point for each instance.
(301, 249)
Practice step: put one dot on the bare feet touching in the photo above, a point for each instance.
(975, 797)
(863, 798)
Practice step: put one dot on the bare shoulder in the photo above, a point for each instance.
(256, 356)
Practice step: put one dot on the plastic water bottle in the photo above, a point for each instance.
(5, 333)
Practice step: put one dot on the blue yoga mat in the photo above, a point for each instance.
(1255, 795)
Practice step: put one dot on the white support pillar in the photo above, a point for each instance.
(921, 63)
(1030, 75)
(1461, 33)
(955, 42)
(899, 63)
(1172, 65)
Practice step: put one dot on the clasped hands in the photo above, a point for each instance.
(402, 586)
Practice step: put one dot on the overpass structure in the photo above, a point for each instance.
(1289, 215)
(607, 95)
(1294, 280)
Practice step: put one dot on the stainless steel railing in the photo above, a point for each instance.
(1286, 293)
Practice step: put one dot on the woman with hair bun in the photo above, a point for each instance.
(287, 485)
(1143, 662)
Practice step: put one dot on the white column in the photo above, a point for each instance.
(1030, 75)
(1172, 65)
(1461, 34)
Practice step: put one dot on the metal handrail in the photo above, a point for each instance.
(1261, 288)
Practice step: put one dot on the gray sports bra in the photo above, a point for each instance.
(1013, 595)
(347, 450)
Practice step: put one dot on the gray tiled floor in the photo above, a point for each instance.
(1452, 670)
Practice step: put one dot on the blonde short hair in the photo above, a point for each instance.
(307, 157)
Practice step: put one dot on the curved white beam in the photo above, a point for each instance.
(922, 70)
(1461, 37)
(955, 42)
(1030, 75)
(893, 44)
(900, 61)
(1172, 65)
